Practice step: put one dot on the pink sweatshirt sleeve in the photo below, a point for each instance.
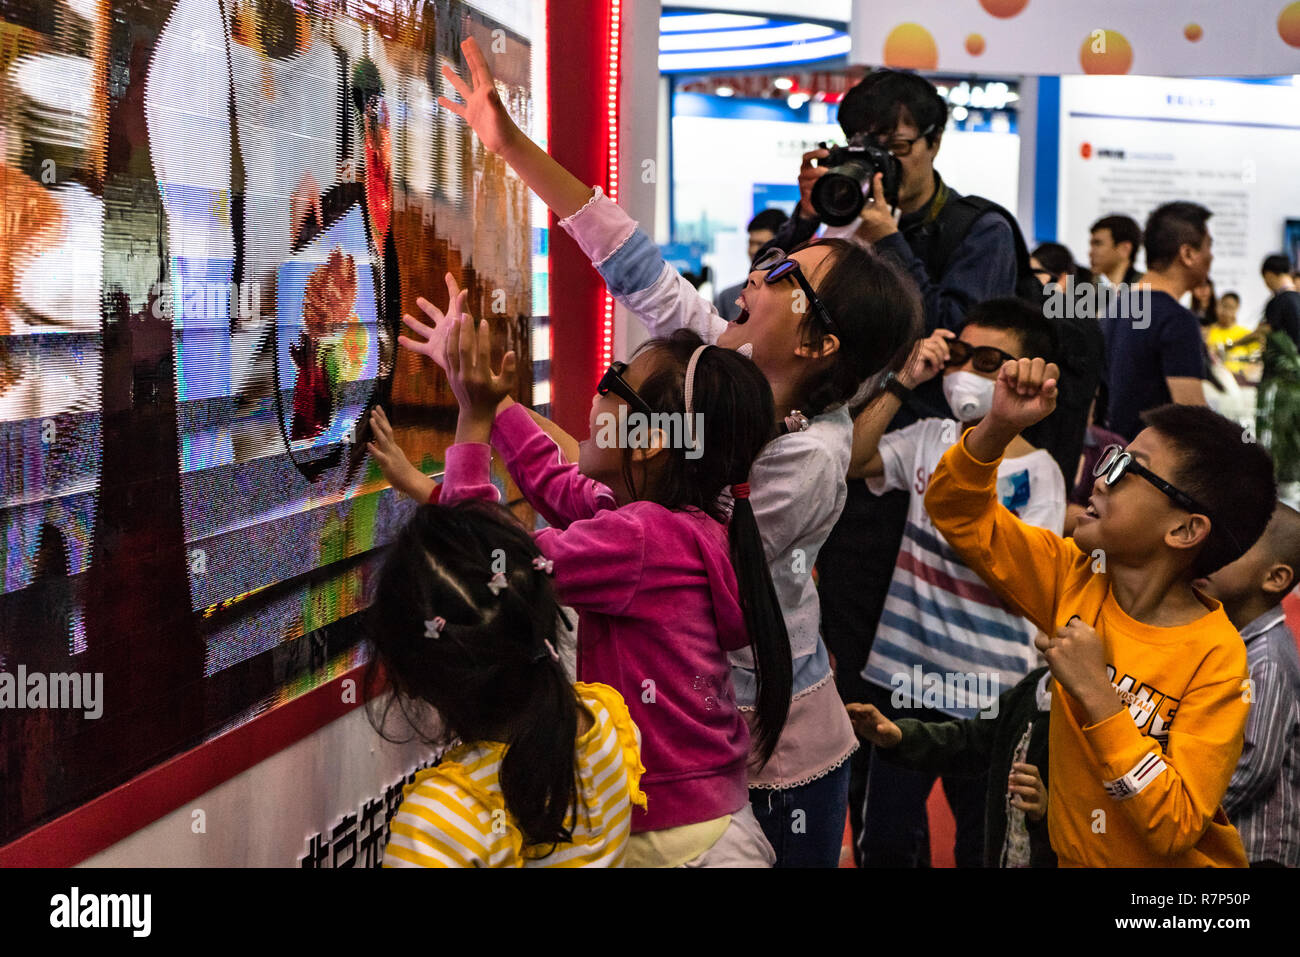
(551, 485)
(599, 562)
(468, 474)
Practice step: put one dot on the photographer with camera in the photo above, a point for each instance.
(960, 251)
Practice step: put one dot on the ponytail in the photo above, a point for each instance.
(537, 773)
(768, 638)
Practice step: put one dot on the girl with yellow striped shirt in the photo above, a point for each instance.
(549, 770)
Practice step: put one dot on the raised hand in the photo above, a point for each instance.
(477, 388)
(870, 725)
(808, 177)
(1025, 393)
(928, 358)
(482, 109)
(401, 474)
(435, 336)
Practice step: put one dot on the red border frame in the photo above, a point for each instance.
(121, 812)
(578, 139)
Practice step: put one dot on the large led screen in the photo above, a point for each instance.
(212, 215)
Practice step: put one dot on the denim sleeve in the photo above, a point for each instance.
(983, 267)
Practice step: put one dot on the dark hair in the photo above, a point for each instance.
(489, 675)
(733, 395)
(1231, 295)
(1276, 263)
(1171, 227)
(1229, 476)
(1123, 229)
(1282, 538)
(1010, 314)
(876, 309)
(770, 219)
(1055, 258)
(885, 98)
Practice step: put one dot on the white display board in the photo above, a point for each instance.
(717, 162)
(1136, 37)
(1129, 144)
(268, 815)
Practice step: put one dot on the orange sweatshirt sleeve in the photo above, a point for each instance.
(1025, 565)
(1172, 795)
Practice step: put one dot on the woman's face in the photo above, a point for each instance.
(771, 314)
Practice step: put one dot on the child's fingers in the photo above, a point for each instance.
(509, 372)
(1025, 768)
(483, 344)
(451, 107)
(453, 355)
(1024, 780)
(462, 88)
(478, 67)
(1042, 642)
(429, 309)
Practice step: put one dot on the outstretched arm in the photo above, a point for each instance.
(483, 110)
(626, 257)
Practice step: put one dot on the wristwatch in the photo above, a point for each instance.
(895, 387)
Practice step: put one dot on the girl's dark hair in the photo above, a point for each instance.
(735, 400)
(1057, 259)
(877, 314)
(489, 675)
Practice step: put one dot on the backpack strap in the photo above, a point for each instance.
(957, 219)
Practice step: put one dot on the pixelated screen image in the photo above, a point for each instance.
(212, 215)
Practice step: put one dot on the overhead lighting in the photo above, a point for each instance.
(689, 23)
(831, 48)
(783, 83)
(959, 113)
(797, 100)
(725, 91)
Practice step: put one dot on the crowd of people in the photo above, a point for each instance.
(915, 525)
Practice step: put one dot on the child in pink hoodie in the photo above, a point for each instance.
(665, 581)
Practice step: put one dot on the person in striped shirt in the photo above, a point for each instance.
(1263, 798)
(946, 646)
(465, 626)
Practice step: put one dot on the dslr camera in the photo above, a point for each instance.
(840, 195)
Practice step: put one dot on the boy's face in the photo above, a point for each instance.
(977, 336)
(1130, 520)
(1236, 584)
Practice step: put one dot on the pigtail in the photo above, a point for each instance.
(768, 638)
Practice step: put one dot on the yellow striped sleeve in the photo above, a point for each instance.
(440, 825)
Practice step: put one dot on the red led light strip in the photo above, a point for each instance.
(615, 23)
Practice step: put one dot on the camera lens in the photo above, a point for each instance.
(839, 196)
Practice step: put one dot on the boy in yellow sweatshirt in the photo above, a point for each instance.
(1150, 685)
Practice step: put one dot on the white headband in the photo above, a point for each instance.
(690, 377)
(690, 392)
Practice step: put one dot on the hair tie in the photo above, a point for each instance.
(543, 564)
(740, 490)
(498, 583)
(796, 421)
(433, 629)
(546, 651)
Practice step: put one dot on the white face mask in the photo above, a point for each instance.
(969, 396)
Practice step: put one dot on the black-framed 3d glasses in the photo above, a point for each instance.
(776, 266)
(613, 381)
(982, 358)
(1115, 463)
